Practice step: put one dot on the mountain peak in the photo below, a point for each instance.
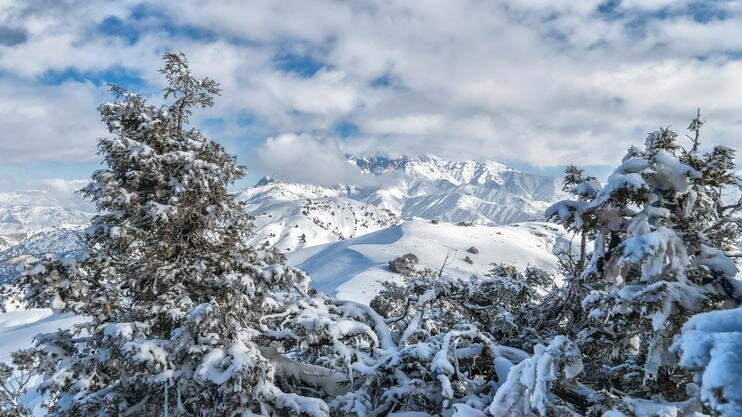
(434, 168)
(268, 179)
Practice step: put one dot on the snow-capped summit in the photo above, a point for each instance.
(293, 215)
(433, 168)
(481, 192)
(24, 212)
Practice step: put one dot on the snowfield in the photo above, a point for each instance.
(18, 328)
(293, 224)
(353, 269)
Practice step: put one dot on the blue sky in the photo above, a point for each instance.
(535, 84)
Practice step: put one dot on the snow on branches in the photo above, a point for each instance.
(663, 235)
(171, 288)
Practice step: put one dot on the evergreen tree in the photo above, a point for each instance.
(173, 293)
(662, 237)
(561, 311)
(435, 344)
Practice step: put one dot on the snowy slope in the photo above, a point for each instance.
(481, 192)
(18, 328)
(5, 242)
(62, 240)
(24, 212)
(352, 269)
(288, 225)
(268, 191)
(291, 216)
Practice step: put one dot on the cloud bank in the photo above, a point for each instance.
(542, 82)
(306, 159)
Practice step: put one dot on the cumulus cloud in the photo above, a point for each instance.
(543, 82)
(307, 159)
(64, 186)
(65, 191)
(44, 122)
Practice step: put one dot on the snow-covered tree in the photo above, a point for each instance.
(173, 293)
(434, 344)
(560, 310)
(663, 234)
(15, 379)
(710, 345)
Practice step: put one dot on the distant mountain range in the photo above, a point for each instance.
(62, 240)
(33, 223)
(292, 216)
(479, 192)
(24, 212)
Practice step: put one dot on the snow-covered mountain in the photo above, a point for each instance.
(354, 269)
(291, 215)
(24, 212)
(35, 222)
(61, 240)
(480, 192)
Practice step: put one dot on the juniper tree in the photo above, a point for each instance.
(433, 344)
(662, 237)
(173, 292)
(561, 310)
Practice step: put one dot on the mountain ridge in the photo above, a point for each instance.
(291, 216)
(426, 186)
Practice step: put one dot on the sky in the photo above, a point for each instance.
(536, 84)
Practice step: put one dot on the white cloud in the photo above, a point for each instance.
(545, 82)
(65, 191)
(307, 159)
(48, 122)
(56, 192)
(63, 185)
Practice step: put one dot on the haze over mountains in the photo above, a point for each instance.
(22, 212)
